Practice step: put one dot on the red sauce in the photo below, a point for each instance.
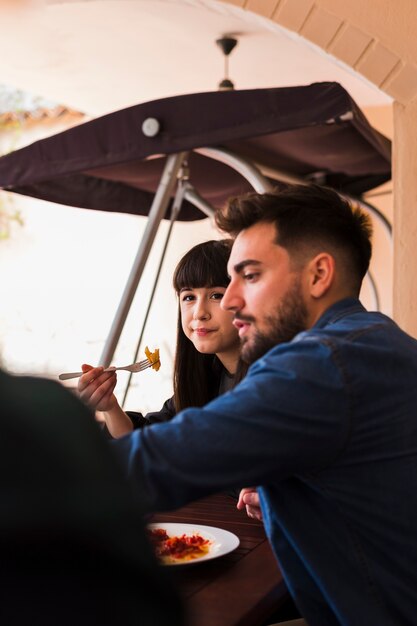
(174, 549)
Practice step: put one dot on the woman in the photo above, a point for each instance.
(207, 353)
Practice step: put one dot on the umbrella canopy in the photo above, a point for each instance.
(114, 162)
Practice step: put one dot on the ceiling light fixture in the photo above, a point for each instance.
(226, 44)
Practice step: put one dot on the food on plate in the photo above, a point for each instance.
(178, 549)
(153, 357)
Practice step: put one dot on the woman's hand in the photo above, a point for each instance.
(249, 498)
(95, 388)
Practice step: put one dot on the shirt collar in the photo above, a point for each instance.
(340, 309)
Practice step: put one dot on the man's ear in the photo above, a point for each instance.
(321, 274)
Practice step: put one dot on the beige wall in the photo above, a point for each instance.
(377, 38)
(405, 215)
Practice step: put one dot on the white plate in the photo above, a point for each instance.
(222, 541)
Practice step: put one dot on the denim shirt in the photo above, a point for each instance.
(326, 426)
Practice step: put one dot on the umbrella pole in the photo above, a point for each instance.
(156, 214)
(182, 189)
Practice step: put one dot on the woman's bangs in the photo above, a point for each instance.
(205, 265)
(200, 273)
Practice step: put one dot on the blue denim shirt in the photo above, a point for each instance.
(326, 426)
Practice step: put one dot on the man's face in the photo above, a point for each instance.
(265, 292)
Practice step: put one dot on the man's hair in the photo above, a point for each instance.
(309, 219)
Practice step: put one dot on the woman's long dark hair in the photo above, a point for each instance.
(196, 375)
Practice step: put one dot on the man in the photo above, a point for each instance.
(324, 424)
(73, 545)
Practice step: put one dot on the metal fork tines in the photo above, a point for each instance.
(134, 367)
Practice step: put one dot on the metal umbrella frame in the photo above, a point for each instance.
(182, 157)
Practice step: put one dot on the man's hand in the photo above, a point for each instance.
(249, 498)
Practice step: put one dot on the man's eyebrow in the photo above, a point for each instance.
(239, 267)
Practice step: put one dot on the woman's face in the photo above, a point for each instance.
(207, 325)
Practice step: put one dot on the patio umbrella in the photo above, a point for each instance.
(216, 144)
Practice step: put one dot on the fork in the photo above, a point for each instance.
(134, 367)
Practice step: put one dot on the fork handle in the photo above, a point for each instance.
(70, 375)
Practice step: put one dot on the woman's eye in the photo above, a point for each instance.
(217, 296)
(188, 297)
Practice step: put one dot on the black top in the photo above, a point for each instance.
(223, 382)
(164, 415)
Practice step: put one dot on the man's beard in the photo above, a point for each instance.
(289, 320)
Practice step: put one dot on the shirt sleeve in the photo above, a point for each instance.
(154, 417)
(290, 415)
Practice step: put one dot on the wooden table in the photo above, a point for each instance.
(242, 588)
